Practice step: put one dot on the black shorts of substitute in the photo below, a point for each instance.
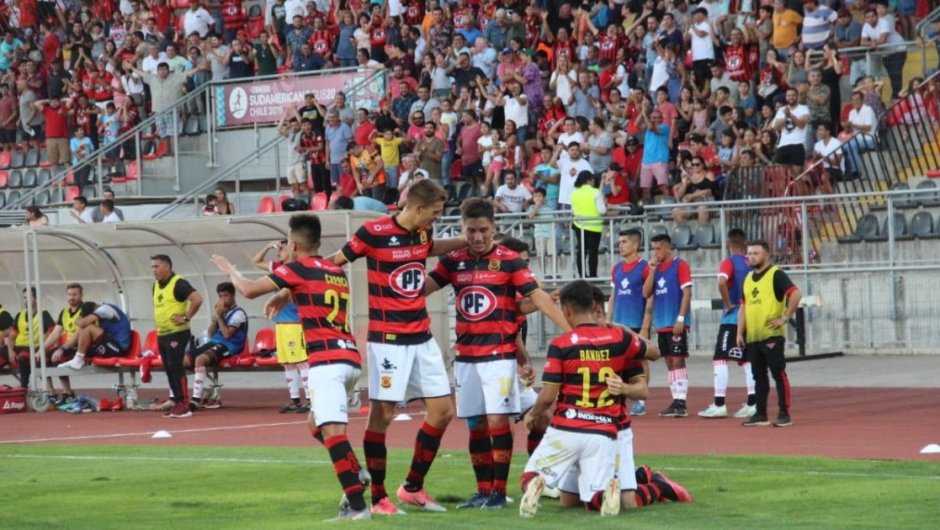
(726, 345)
(793, 155)
(213, 350)
(673, 346)
(107, 347)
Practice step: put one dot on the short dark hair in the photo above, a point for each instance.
(162, 257)
(600, 298)
(426, 192)
(305, 230)
(515, 245)
(578, 295)
(225, 287)
(82, 199)
(759, 243)
(539, 191)
(661, 238)
(88, 308)
(163, 64)
(736, 236)
(477, 208)
(633, 233)
(343, 203)
(74, 286)
(108, 204)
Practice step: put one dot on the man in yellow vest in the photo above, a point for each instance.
(65, 328)
(19, 341)
(769, 301)
(175, 302)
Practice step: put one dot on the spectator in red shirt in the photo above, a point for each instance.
(57, 130)
(365, 128)
(614, 186)
(629, 157)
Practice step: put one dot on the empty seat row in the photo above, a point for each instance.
(921, 226)
(914, 200)
(30, 158)
(29, 178)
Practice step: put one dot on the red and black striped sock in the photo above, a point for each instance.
(426, 444)
(374, 448)
(534, 439)
(502, 457)
(481, 457)
(346, 466)
(647, 494)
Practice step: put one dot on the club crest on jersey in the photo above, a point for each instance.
(494, 265)
(386, 381)
(424, 237)
(408, 280)
(476, 303)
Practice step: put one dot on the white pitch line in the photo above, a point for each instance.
(789, 472)
(150, 433)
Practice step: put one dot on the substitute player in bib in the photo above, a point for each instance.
(486, 278)
(629, 305)
(320, 290)
(770, 300)
(103, 331)
(19, 337)
(405, 362)
(671, 288)
(288, 334)
(642, 486)
(731, 274)
(228, 333)
(582, 435)
(65, 328)
(175, 302)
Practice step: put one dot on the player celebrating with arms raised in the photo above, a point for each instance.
(584, 427)
(320, 290)
(405, 361)
(486, 277)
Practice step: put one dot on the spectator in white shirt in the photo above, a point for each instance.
(511, 197)
(863, 122)
(197, 20)
(878, 33)
(790, 122)
(702, 37)
(829, 150)
(568, 170)
(570, 135)
(108, 213)
(80, 210)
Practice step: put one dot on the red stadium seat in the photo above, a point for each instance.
(265, 341)
(266, 361)
(71, 192)
(266, 205)
(131, 171)
(320, 201)
(4, 178)
(132, 355)
(5, 159)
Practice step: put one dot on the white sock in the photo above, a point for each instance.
(293, 381)
(682, 383)
(671, 377)
(304, 368)
(748, 378)
(199, 380)
(721, 378)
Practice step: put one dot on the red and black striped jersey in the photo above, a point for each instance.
(581, 361)
(487, 310)
(321, 41)
(633, 368)
(321, 293)
(395, 260)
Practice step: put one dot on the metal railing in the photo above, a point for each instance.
(195, 196)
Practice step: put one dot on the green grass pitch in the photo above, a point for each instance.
(121, 487)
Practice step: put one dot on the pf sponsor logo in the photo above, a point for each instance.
(476, 303)
(408, 280)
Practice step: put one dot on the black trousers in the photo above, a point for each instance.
(768, 355)
(588, 247)
(172, 350)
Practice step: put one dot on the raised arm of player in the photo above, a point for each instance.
(544, 303)
(446, 246)
(259, 260)
(250, 289)
(637, 387)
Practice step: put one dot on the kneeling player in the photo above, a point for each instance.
(321, 292)
(583, 430)
(229, 331)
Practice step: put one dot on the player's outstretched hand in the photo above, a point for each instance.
(274, 305)
(223, 264)
(537, 421)
(526, 374)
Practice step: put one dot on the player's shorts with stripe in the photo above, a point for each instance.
(289, 338)
(726, 347)
(588, 457)
(214, 350)
(403, 372)
(488, 387)
(623, 466)
(329, 387)
(670, 345)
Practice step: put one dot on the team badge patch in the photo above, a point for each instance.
(424, 237)
(386, 381)
(494, 265)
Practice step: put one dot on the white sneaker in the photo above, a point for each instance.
(714, 411)
(529, 505)
(746, 411)
(610, 506)
(551, 493)
(76, 363)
